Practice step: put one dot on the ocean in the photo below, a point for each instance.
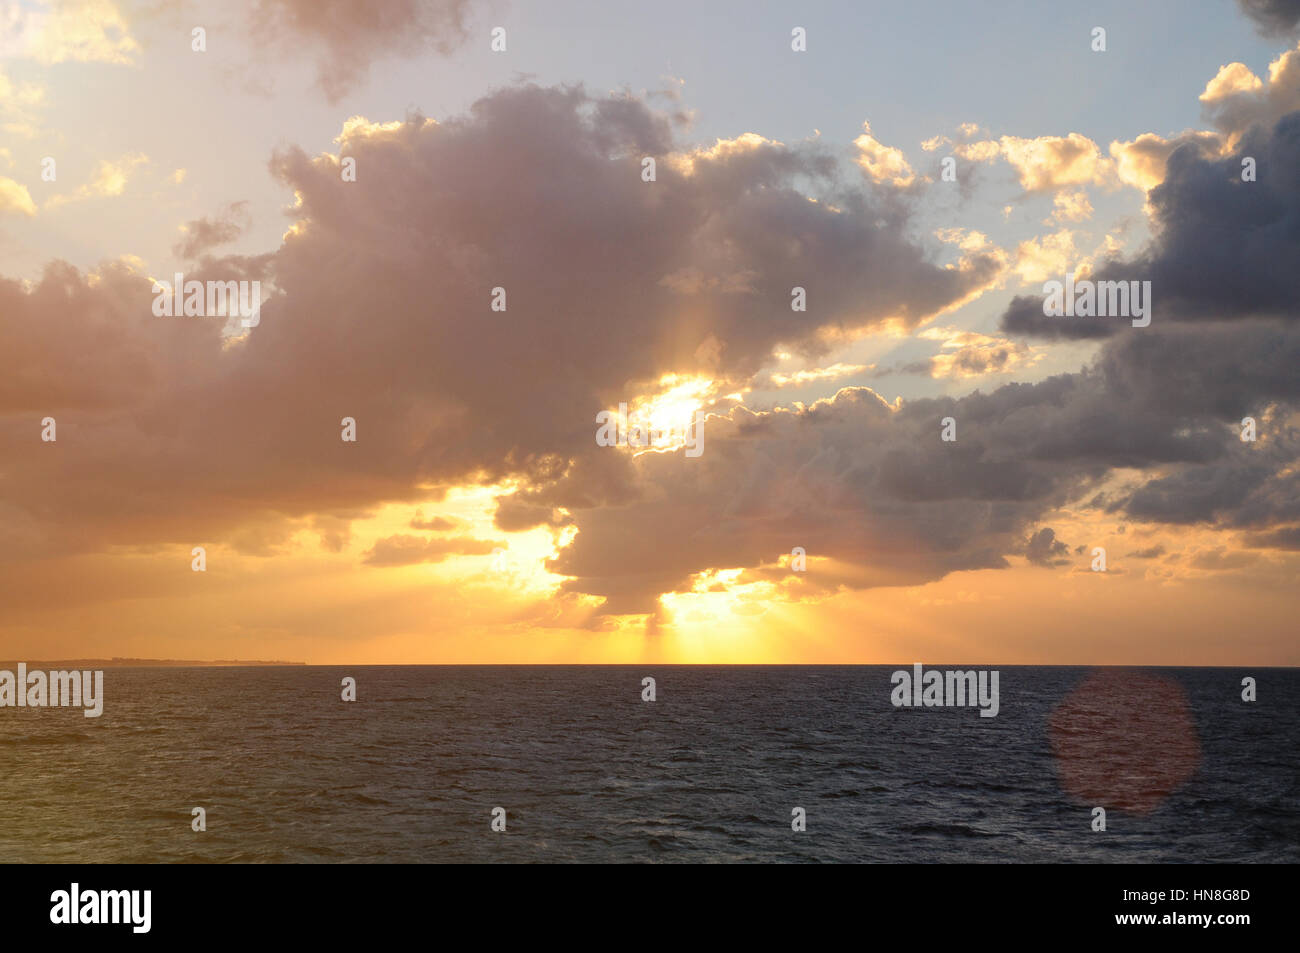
(712, 770)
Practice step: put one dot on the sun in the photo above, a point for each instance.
(669, 413)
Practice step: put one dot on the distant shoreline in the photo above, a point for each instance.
(144, 663)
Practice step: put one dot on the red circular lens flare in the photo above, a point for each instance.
(1124, 739)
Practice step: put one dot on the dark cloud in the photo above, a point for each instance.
(1225, 248)
(1246, 490)
(352, 35)
(820, 479)
(1024, 316)
(1044, 549)
(1226, 245)
(1287, 538)
(204, 234)
(873, 488)
(973, 360)
(1218, 560)
(405, 550)
(438, 523)
(377, 308)
(380, 311)
(1273, 16)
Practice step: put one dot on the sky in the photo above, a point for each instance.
(458, 248)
